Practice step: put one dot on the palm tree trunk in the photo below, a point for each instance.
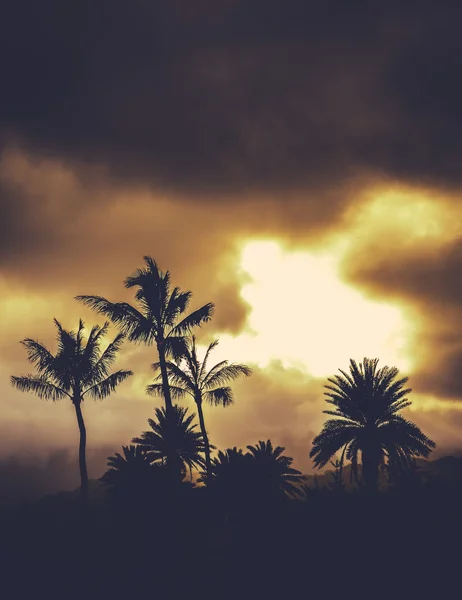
(173, 462)
(163, 370)
(371, 461)
(208, 464)
(82, 450)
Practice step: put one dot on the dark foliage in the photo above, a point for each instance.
(367, 402)
(159, 315)
(253, 480)
(77, 370)
(188, 376)
(173, 437)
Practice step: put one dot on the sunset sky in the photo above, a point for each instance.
(298, 164)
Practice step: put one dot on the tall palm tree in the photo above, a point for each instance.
(156, 320)
(173, 438)
(367, 401)
(78, 369)
(189, 376)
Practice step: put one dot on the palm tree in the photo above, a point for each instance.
(227, 465)
(77, 370)
(229, 480)
(261, 474)
(133, 463)
(189, 376)
(173, 438)
(367, 402)
(156, 320)
(132, 476)
(273, 470)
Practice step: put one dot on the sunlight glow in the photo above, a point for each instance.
(303, 315)
(409, 216)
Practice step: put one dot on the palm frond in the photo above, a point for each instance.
(224, 374)
(222, 396)
(102, 366)
(91, 352)
(190, 357)
(203, 369)
(38, 355)
(66, 344)
(107, 386)
(181, 378)
(334, 435)
(194, 319)
(175, 347)
(157, 389)
(40, 386)
(131, 322)
(177, 304)
(79, 336)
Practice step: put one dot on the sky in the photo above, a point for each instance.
(297, 164)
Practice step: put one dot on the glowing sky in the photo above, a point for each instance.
(316, 202)
(304, 315)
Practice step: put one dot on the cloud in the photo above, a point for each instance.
(186, 130)
(62, 238)
(224, 97)
(412, 256)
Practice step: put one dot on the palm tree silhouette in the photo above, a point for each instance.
(78, 369)
(157, 318)
(228, 465)
(259, 476)
(132, 476)
(229, 480)
(189, 376)
(173, 438)
(273, 470)
(366, 402)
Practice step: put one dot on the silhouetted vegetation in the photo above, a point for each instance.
(77, 370)
(157, 318)
(366, 403)
(172, 518)
(188, 376)
(173, 437)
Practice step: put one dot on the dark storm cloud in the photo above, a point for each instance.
(441, 375)
(429, 280)
(27, 222)
(431, 276)
(59, 237)
(236, 94)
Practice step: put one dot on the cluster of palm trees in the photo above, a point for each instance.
(366, 400)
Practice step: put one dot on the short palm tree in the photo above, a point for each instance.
(229, 480)
(273, 470)
(157, 318)
(133, 463)
(227, 465)
(189, 376)
(173, 438)
(252, 480)
(78, 369)
(131, 475)
(367, 401)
